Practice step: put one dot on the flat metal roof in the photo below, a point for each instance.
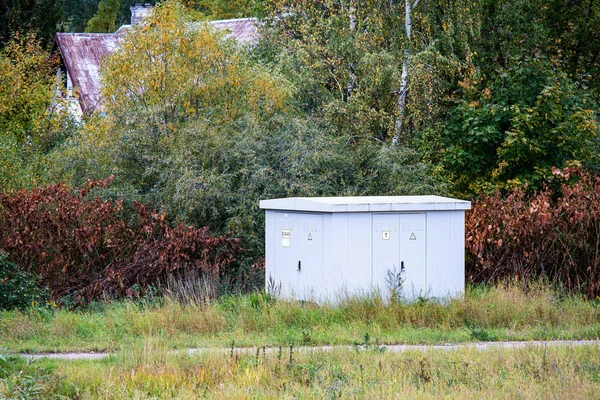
(366, 204)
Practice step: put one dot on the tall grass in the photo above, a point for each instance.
(149, 371)
(504, 312)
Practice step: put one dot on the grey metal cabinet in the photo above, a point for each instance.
(325, 248)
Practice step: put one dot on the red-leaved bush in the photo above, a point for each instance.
(83, 247)
(552, 235)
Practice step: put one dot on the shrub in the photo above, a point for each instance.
(82, 246)
(18, 288)
(552, 234)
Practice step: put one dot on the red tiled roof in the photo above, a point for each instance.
(82, 54)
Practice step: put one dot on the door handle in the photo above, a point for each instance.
(299, 266)
(401, 266)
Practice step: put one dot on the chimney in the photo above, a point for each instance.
(139, 12)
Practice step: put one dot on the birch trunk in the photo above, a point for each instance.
(351, 75)
(403, 91)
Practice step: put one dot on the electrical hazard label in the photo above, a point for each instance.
(412, 236)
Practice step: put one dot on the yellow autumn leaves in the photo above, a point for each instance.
(171, 69)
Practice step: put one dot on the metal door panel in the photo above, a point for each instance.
(386, 249)
(413, 254)
(286, 245)
(310, 256)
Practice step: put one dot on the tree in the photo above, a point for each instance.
(565, 31)
(519, 106)
(38, 16)
(351, 60)
(105, 18)
(33, 119)
(76, 14)
(220, 9)
(403, 91)
(195, 124)
(170, 72)
(518, 125)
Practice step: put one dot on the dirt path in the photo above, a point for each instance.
(396, 348)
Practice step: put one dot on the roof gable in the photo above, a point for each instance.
(82, 54)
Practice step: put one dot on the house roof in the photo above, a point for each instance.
(82, 54)
(242, 29)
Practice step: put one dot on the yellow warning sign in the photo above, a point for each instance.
(413, 237)
(309, 236)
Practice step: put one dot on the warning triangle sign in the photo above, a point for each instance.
(413, 237)
(309, 236)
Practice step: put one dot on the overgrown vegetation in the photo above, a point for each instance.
(24, 379)
(509, 312)
(83, 248)
(142, 221)
(551, 234)
(33, 119)
(370, 98)
(19, 288)
(151, 371)
(208, 153)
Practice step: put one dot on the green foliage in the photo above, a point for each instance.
(220, 9)
(516, 126)
(26, 88)
(90, 154)
(195, 125)
(76, 14)
(346, 60)
(566, 32)
(499, 91)
(525, 99)
(33, 119)
(349, 75)
(18, 288)
(219, 177)
(104, 20)
(38, 16)
(25, 378)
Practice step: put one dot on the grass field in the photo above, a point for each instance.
(148, 339)
(152, 372)
(505, 312)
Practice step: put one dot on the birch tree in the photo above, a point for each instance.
(342, 56)
(403, 91)
(354, 63)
